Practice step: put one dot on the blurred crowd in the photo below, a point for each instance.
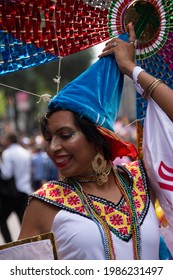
(24, 167)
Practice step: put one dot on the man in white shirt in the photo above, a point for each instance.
(15, 162)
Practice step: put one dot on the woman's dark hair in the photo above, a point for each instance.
(87, 128)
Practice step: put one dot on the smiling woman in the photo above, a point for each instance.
(67, 146)
(98, 210)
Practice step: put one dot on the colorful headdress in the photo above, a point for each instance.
(96, 95)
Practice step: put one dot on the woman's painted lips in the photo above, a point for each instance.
(62, 161)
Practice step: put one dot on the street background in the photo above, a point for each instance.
(14, 228)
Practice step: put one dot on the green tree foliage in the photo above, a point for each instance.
(3, 103)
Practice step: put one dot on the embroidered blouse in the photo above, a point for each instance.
(78, 237)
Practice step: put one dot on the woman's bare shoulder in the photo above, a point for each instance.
(38, 218)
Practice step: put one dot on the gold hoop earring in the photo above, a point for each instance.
(101, 168)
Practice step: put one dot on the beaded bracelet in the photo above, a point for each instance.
(146, 94)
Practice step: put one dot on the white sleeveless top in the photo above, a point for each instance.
(78, 238)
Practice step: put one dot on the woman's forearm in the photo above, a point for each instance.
(162, 94)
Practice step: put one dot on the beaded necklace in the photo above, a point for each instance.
(95, 216)
(125, 189)
(102, 224)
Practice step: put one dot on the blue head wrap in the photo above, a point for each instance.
(96, 95)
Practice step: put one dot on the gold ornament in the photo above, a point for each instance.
(99, 165)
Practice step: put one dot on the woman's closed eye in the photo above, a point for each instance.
(66, 136)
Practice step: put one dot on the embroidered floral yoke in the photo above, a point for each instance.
(117, 216)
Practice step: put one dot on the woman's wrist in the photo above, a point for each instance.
(128, 69)
(135, 75)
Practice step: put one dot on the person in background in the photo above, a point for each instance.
(37, 163)
(97, 210)
(43, 169)
(15, 163)
(50, 170)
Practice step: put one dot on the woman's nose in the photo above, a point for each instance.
(55, 144)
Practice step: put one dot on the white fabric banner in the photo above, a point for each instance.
(158, 156)
(39, 250)
(38, 247)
